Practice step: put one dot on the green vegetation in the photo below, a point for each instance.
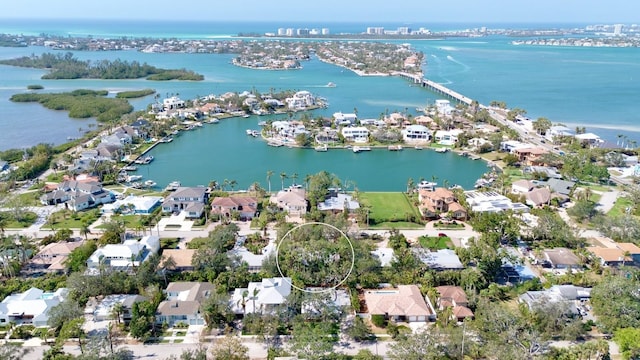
(389, 207)
(81, 104)
(9, 220)
(31, 162)
(68, 67)
(35, 87)
(134, 94)
(401, 225)
(68, 219)
(435, 242)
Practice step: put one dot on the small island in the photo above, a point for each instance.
(81, 104)
(135, 94)
(68, 67)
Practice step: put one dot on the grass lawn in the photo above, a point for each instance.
(31, 198)
(389, 207)
(178, 341)
(72, 220)
(181, 333)
(400, 225)
(169, 243)
(130, 221)
(619, 208)
(28, 219)
(435, 242)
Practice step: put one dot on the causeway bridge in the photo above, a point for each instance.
(433, 86)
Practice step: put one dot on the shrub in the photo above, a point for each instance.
(378, 320)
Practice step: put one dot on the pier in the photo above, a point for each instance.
(433, 86)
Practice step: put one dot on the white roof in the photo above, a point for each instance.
(120, 254)
(441, 259)
(588, 136)
(338, 202)
(140, 203)
(270, 291)
(33, 302)
(250, 258)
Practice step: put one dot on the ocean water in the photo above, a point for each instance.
(592, 87)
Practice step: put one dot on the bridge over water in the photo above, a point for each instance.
(433, 86)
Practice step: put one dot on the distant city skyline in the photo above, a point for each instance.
(462, 11)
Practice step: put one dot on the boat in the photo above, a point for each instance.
(262, 123)
(173, 186)
(149, 183)
(357, 149)
(214, 121)
(249, 131)
(132, 178)
(255, 133)
(136, 185)
(274, 144)
(246, 116)
(167, 139)
(330, 84)
(322, 148)
(442, 150)
(427, 185)
(130, 168)
(418, 147)
(395, 147)
(147, 159)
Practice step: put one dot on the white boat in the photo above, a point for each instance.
(132, 178)
(322, 148)
(442, 150)
(147, 159)
(214, 121)
(274, 144)
(262, 123)
(173, 186)
(246, 115)
(149, 183)
(427, 185)
(418, 147)
(357, 149)
(395, 147)
(249, 132)
(255, 133)
(130, 168)
(330, 84)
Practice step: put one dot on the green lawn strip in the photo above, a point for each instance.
(181, 333)
(130, 221)
(72, 220)
(435, 242)
(620, 206)
(28, 218)
(178, 341)
(31, 198)
(388, 207)
(400, 225)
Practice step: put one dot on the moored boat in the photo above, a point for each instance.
(442, 150)
(322, 148)
(149, 183)
(130, 168)
(173, 186)
(357, 149)
(395, 147)
(132, 178)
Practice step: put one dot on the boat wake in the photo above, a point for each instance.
(464, 66)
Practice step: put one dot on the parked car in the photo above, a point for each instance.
(442, 235)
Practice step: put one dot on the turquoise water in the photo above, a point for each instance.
(592, 87)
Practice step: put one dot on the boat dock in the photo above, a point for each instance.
(434, 86)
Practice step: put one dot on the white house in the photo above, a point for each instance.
(191, 200)
(589, 138)
(301, 100)
(356, 134)
(141, 205)
(522, 186)
(447, 137)
(443, 107)
(173, 103)
(491, 201)
(338, 202)
(345, 119)
(261, 297)
(254, 261)
(123, 256)
(292, 200)
(416, 133)
(104, 310)
(30, 307)
(558, 131)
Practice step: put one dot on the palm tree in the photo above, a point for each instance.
(84, 230)
(116, 311)
(225, 183)
(269, 174)
(294, 176)
(410, 185)
(307, 180)
(283, 175)
(233, 184)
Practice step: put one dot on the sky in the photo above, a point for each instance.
(470, 11)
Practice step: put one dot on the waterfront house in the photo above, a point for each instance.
(253, 261)
(173, 103)
(104, 309)
(109, 150)
(402, 304)
(440, 201)
(442, 259)
(344, 119)
(416, 133)
(52, 257)
(589, 138)
(447, 137)
(125, 257)
(546, 171)
(78, 195)
(132, 204)
(558, 131)
(245, 206)
(491, 201)
(292, 200)
(337, 202)
(182, 258)
(183, 303)
(620, 254)
(300, 100)
(454, 297)
(261, 297)
(190, 200)
(30, 307)
(358, 134)
(560, 258)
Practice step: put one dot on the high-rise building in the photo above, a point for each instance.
(289, 32)
(282, 32)
(617, 29)
(325, 31)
